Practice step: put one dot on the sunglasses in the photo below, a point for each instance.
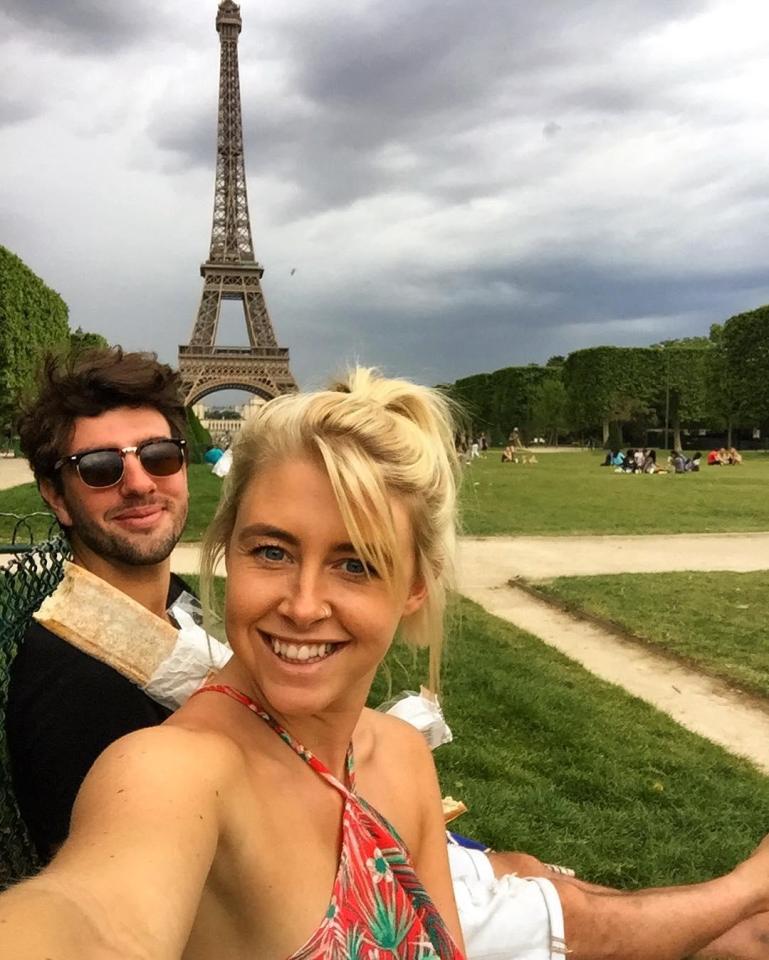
(105, 468)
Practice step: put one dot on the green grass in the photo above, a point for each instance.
(714, 621)
(570, 493)
(204, 495)
(565, 493)
(553, 761)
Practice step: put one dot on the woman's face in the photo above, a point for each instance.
(303, 617)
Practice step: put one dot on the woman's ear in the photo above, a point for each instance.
(416, 597)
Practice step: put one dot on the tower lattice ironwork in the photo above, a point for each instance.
(231, 271)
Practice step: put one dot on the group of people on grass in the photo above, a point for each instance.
(644, 460)
(273, 815)
(633, 461)
(725, 457)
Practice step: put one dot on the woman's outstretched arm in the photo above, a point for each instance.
(128, 881)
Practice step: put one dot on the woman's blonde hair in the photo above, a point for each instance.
(376, 438)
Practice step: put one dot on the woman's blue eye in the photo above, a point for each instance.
(270, 552)
(357, 567)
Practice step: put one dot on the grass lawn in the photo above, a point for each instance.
(570, 493)
(553, 761)
(714, 621)
(204, 495)
(565, 493)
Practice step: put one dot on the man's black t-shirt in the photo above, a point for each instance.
(64, 709)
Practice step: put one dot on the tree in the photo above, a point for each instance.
(686, 370)
(745, 344)
(723, 399)
(607, 386)
(80, 340)
(33, 320)
(549, 409)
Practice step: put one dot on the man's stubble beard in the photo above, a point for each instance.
(133, 551)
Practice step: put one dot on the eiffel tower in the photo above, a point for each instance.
(231, 271)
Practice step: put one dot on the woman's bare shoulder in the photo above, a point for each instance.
(170, 760)
(379, 732)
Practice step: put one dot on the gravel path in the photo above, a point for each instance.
(698, 703)
(13, 472)
(498, 559)
(705, 706)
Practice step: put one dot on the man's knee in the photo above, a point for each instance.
(520, 864)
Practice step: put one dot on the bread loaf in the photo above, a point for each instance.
(106, 624)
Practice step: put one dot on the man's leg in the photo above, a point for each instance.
(720, 918)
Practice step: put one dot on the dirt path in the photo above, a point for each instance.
(14, 471)
(489, 560)
(704, 706)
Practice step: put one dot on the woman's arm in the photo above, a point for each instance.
(429, 853)
(128, 881)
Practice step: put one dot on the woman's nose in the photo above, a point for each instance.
(303, 603)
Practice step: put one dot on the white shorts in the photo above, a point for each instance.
(507, 919)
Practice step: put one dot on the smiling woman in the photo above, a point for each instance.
(213, 836)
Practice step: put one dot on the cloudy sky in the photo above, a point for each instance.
(456, 187)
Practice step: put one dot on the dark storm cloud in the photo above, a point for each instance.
(17, 110)
(582, 292)
(583, 309)
(85, 26)
(427, 78)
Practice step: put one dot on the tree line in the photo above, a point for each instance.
(33, 320)
(611, 395)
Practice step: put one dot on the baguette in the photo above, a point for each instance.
(452, 809)
(106, 624)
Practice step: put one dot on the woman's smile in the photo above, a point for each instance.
(301, 652)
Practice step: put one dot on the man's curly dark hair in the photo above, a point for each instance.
(87, 384)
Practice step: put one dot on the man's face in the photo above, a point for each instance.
(139, 520)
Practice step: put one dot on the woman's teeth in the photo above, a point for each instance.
(300, 653)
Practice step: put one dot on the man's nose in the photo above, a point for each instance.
(135, 478)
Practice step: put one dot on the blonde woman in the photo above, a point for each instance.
(274, 816)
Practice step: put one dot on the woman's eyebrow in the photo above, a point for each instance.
(267, 530)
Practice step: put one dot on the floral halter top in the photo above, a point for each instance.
(378, 907)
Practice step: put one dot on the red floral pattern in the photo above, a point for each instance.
(378, 907)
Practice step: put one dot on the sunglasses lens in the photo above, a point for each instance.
(161, 458)
(102, 468)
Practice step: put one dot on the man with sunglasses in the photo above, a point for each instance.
(104, 439)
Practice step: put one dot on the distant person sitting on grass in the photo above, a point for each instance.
(614, 458)
(693, 464)
(714, 458)
(677, 461)
(650, 462)
(508, 455)
(734, 458)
